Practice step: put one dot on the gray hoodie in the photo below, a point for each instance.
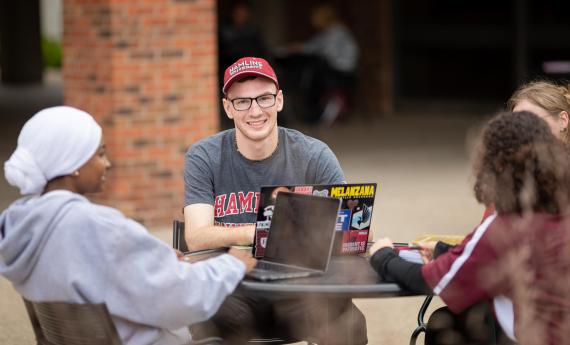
(61, 247)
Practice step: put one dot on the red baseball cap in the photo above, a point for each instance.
(247, 67)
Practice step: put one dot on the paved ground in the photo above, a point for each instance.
(420, 157)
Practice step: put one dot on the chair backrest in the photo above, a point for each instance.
(178, 240)
(60, 323)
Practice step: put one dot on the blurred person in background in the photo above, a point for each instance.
(56, 245)
(332, 74)
(517, 257)
(239, 37)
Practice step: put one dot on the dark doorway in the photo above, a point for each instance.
(479, 50)
(20, 53)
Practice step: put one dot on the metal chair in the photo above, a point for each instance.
(179, 242)
(178, 239)
(61, 323)
(422, 325)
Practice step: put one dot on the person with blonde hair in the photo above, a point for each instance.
(56, 245)
(549, 101)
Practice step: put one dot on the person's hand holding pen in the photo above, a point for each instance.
(426, 250)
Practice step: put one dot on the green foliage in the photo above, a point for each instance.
(51, 53)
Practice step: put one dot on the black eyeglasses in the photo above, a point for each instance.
(244, 103)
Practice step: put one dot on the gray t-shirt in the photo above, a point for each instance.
(216, 173)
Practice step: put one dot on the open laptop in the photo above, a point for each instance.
(354, 216)
(301, 237)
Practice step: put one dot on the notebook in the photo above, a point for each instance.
(301, 237)
(353, 222)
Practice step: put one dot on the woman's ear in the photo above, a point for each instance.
(563, 120)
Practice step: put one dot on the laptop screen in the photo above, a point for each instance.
(302, 230)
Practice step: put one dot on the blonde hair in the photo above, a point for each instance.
(552, 97)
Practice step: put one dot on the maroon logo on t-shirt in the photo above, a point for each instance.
(232, 203)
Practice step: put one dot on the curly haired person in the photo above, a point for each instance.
(517, 257)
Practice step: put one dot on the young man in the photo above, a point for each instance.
(223, 175)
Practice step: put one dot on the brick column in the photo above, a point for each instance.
(146, 70)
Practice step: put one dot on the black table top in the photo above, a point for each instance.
(347, 276)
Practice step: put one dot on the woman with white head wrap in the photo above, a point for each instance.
(55, 142)
(55, 245)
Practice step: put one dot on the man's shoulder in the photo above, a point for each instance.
(213, 141)
(302, 145)
(296, 137)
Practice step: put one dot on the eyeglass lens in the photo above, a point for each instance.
(263, 101)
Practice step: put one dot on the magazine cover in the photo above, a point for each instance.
(354, 217)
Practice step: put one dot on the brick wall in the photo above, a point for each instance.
(146, 70)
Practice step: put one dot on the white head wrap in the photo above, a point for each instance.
(55, 142)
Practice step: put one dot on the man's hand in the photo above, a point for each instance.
(381, 243)
(245, 257)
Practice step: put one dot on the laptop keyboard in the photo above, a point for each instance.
(267, 266)
(270, 271)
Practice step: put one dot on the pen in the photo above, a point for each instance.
(403, 245)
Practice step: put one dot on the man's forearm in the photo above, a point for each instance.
(218, 236)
